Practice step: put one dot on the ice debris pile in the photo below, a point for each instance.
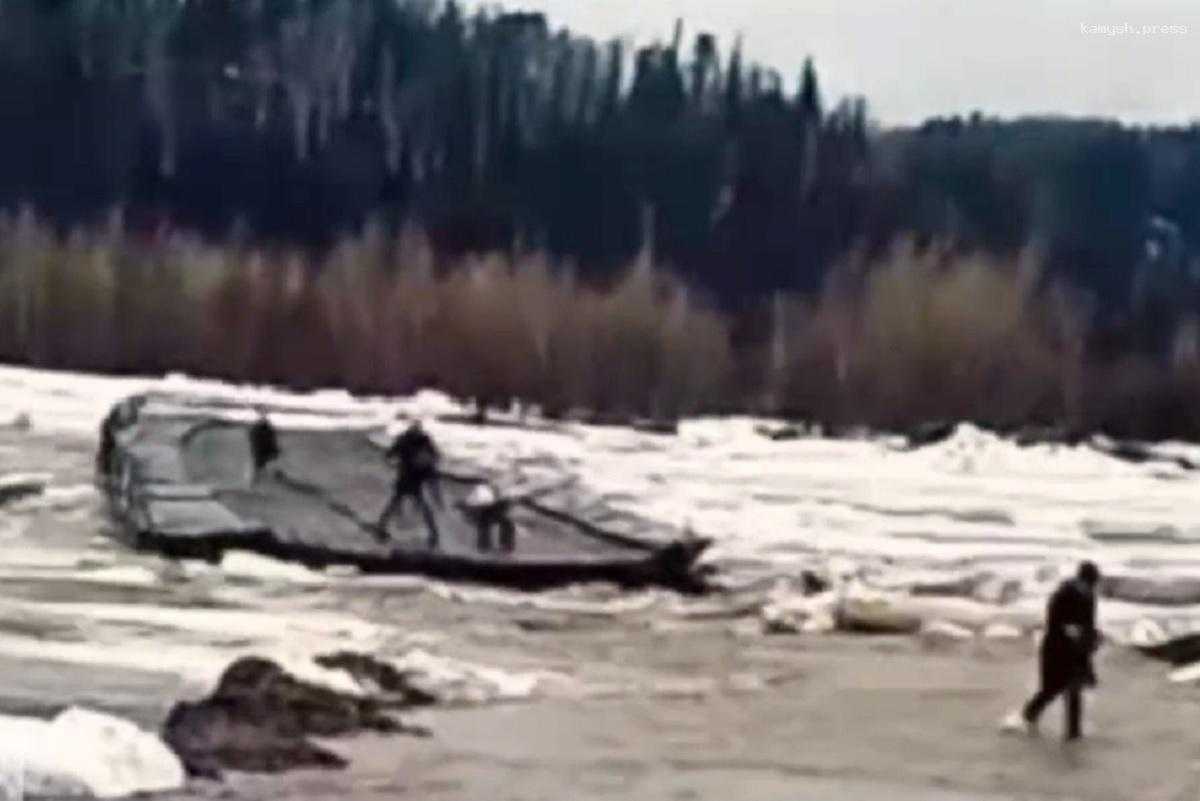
(83, 753)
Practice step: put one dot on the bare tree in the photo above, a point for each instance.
(159, 75)
(296, 60)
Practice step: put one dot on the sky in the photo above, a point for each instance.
(914, 59)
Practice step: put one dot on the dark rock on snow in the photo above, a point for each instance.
(1179, 591)
(930, 433)
(15, 488)
(1139, 453)
(1178, 651)
(390, 684)
(259, 718)
(785, 433)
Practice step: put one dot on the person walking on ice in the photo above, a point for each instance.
(264, 447)
(415, 458)
(1066, 654)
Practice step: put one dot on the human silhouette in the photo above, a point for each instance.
(489, 511)
(264, 446)
(415, 458)
(1067, 647)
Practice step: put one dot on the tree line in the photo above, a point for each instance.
(299, 121)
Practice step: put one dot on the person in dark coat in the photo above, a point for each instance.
(416, 461)
(108, 442)
(264, 446)
(120, 416)
(1067, 647)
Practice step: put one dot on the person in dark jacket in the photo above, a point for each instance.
(108, 442)
(1067, 647)
(264, 446)
(416, 461)
(122, 415)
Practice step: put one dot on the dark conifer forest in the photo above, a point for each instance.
(1034, 265)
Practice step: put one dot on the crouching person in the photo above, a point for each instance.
(490, 514)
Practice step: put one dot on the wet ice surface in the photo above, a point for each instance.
(84, 621)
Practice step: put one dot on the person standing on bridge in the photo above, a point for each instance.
(122, 415)
(489, 511)
(264, 446)
(415, 458)
(1066, 657)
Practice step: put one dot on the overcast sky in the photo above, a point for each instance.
(918, 58)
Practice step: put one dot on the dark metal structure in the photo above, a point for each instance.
(176, 484)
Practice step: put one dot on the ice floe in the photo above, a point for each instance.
(83, 753)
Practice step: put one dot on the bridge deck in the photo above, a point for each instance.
(183, 488)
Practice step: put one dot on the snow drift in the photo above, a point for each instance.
(84, 753)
